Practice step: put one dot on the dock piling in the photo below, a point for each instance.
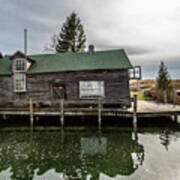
(31, 113)
(62, 113)
(174, 117)
(99, 114)
(135, 113)
(4, 117)
(174, 98)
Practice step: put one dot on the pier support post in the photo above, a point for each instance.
(31, 113)
(135, 121)
(174, 98)
(99, 113)
(135, 135)
(176, 118)
(62, 113)
(135, 113)
(4, 116)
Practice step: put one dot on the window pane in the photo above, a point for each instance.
(20, 82)
(91, 89)
(20, 65)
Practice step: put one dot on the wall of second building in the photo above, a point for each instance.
(39, 86)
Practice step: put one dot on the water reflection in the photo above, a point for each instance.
(165, 138)
(70, 155)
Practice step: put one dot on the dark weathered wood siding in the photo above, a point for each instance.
(39, 86)
(6, 90)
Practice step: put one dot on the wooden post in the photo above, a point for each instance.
(31, 113)
(62, 113)
(135, 113)
(99, 114)
(174, 98)
(4, 117)
(178, 119)
(135, 103)
(175, 117)
(135, 135)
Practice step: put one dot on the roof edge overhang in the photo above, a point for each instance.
(83, 70)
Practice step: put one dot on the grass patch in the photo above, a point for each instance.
(141, 96)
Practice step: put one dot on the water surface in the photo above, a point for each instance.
(152, 153)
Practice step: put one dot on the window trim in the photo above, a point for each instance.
(15, 87)
(93, 96)
(15, 65)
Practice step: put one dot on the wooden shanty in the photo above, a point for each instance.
(51, 83)
(48, 78)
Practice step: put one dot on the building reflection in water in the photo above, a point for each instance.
(72, 155)
(93, 145)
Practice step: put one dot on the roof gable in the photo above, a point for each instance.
(19, 54)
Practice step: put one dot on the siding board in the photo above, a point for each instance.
(39, 86)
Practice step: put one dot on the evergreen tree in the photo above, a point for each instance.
(163, 80)
(72, 37)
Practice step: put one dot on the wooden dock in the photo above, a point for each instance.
(151, 108)
(138, 109)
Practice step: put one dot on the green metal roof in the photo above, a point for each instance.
(5, 66)
(59, 62)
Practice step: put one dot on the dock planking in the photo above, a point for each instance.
(149, 108)
(143, 108)
(96, 108)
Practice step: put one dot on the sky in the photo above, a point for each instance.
(148, 30)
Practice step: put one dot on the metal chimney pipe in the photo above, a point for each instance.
(25, 41)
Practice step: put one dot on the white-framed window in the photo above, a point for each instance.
(19, 82)
(91, 89)
(20, 65)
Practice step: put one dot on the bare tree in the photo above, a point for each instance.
(51, 47)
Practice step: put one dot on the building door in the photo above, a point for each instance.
(58, 91)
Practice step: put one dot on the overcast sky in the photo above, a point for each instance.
(149, 30)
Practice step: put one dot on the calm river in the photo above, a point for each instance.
(151, 154)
